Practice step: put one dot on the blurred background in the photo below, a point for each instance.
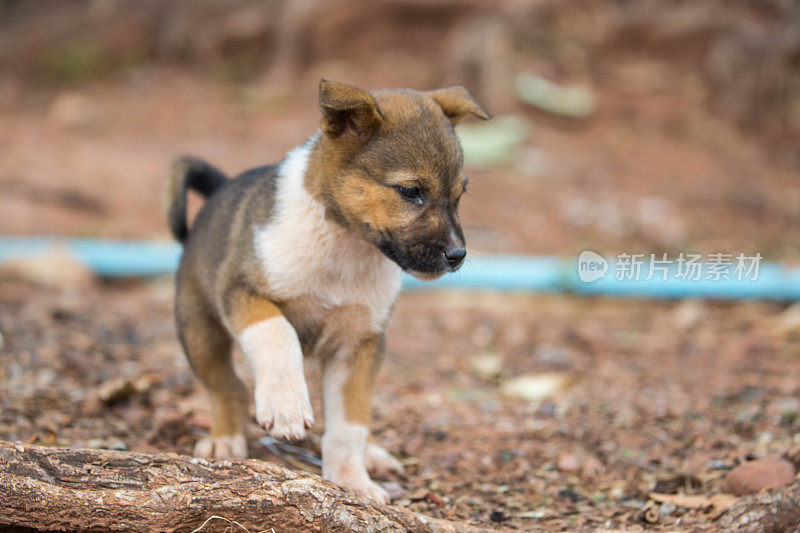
(649, 126)
(659, 125)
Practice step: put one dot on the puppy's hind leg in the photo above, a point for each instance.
(208, 347)
(381, 463)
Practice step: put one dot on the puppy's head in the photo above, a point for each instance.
(389, 167)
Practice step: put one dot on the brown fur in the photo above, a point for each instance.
(358, 387)
(246, 309)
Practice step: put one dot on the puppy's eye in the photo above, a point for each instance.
(412, 194)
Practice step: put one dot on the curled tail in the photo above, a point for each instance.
(188, 173)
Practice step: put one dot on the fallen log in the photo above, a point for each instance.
(776, 511)
(99, 490)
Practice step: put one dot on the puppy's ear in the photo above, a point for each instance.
(348, 113)
(457, 102)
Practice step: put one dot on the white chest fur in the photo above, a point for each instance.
(305, 255)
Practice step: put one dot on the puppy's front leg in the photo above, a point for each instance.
(270, 343)
(348, 377)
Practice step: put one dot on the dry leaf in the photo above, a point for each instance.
(486, 365)
(715, 503)
(537, 386)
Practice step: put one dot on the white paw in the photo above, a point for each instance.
(363, 486)
(374, 492)
(380, 463)
(224, 447)
(285, 411)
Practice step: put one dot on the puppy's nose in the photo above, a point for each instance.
(455, 255)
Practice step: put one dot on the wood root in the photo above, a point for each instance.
(56, 489)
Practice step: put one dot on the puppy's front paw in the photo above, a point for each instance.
(284, 411)
(380, 463)
(223, 447)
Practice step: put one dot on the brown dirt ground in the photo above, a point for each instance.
(664, 396)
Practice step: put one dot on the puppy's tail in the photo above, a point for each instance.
(188, 173)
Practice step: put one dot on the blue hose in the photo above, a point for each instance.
(110, 258)
(105, 257)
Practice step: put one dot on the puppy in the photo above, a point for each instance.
(306, 257)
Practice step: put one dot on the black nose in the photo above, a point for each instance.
(455, 255)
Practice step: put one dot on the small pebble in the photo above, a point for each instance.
(569, 463)
(758, 475)
(717, 465)
(553, 356)
(666, 509)
(95, 444)
(487, 365)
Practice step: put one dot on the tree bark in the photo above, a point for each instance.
(99, 490)
(776, 511)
